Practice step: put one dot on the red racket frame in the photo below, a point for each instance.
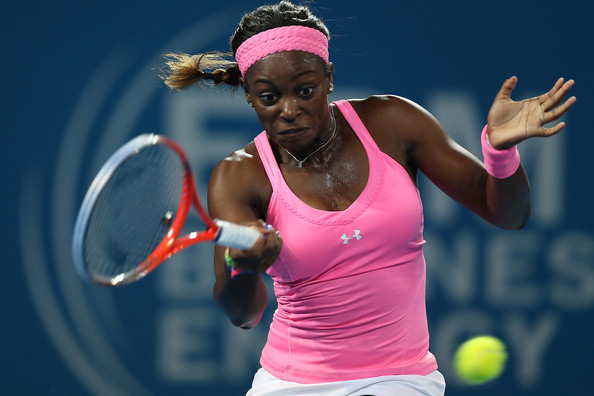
(170, 245)
(218, 231)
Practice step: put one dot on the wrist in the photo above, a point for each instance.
(500, 164)
(234, 268)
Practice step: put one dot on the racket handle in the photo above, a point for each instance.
(236, 236)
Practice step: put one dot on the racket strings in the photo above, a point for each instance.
(133, 212)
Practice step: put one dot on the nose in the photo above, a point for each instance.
(289, 109)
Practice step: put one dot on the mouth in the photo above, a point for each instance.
(292, 131)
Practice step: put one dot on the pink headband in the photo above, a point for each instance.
(286, 38)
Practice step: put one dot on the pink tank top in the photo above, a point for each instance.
(350, 285)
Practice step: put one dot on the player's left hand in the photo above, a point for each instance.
(511, 122)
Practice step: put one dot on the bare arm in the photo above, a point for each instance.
(412, 136)
(502, 202)
(235, 194)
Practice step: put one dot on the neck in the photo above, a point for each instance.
(323, 143)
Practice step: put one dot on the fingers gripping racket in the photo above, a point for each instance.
(132, 215)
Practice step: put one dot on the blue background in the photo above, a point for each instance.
(72, 71)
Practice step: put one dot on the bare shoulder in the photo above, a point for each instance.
(398, 125)
(242, 168)
(245, 159)
(392, 112)
(239, 182)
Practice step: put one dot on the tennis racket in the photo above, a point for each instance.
(133, 213)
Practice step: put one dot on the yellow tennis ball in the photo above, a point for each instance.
(480, 359)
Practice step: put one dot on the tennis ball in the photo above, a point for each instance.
(480, 359)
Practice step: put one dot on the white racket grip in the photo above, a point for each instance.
(236, 236)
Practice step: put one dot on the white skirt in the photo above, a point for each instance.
(432, 384)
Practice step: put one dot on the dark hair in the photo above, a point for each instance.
(183, 70)
(268, 17)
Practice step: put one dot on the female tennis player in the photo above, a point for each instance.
(338, 182)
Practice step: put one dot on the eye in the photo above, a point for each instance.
(306, 92)
(268, 98)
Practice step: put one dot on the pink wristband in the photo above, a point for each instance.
(500, 164)
(234, 269)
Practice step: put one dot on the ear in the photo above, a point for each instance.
(246, 91)
(330, 81)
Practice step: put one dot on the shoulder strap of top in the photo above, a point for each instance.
(268, 160)
(361, 131)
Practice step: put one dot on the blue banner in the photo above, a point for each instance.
(80, 79)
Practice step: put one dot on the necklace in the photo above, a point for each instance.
(300, 163)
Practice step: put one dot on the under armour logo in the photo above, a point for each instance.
(346, 238)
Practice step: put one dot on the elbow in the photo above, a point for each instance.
(516, 220)
(245, 320)
(242, 320)
(523, 215)
(240, 315)
(523, 220)
(244, 323)
(244, 301)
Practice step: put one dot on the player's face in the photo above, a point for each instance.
(289, 91)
